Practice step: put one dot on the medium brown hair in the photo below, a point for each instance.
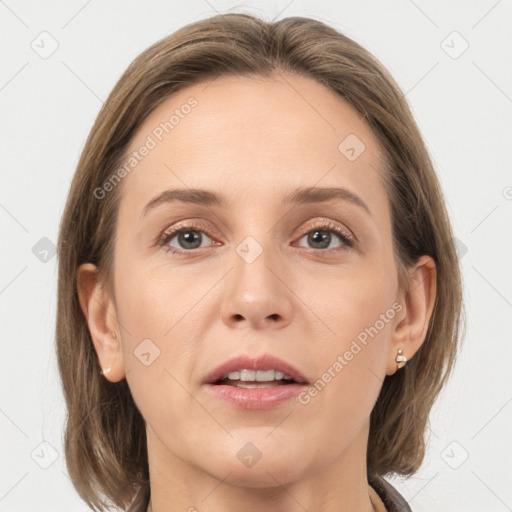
(105, 443)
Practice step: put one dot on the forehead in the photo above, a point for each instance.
(248, 136)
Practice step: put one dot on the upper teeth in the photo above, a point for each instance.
(257, 375)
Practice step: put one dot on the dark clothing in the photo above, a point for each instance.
(391, 498)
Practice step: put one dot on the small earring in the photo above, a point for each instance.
(105, 371)
(400, 359)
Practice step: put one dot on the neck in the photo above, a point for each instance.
(341, 486)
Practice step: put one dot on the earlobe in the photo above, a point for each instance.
(411, 329)
(99, 312)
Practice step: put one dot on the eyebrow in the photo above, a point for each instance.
(300, 196)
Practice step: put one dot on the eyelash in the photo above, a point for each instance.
(326, 226)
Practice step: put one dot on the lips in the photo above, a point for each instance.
(262, 362)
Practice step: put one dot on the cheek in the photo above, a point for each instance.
(350, 304)
(351, 368)
(358, 313)
(156, 310)
(153, 300)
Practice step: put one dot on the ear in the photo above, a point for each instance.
(100, 314)
(418, 304)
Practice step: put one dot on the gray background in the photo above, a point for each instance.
(462, 100)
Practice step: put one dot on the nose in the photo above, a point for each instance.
(257, 294)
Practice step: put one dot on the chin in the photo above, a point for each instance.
(268, 471)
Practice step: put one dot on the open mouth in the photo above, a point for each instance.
(256, 389)
(257, 383)
(253, 384)
(254, 379)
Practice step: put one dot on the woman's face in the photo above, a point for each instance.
(254, 273)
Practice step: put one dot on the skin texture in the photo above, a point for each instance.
(256, 140)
